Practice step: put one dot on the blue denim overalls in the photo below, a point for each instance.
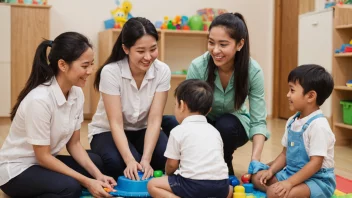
(322, 184)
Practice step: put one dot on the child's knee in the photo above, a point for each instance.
(256, 179)
(270, 192)
(151, 184)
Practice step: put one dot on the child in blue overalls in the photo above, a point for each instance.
(305, 167)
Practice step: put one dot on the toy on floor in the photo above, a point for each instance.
(246, 178)
(247, 191)
(129, 188)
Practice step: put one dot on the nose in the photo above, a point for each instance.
(288, 94)
(90, 70)
(147, 56)
(216, 49)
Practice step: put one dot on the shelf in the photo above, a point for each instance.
(342, 88)
(339, 27)
(189, 32)
(180, 32)
(178, 76)
(349, 54)
(342, 125)
(26, 5)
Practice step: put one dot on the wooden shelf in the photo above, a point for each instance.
(342, 88)
(339, 27)
(179, 76)
(180, 32)
(342, 125)
(349, 54)
(26, 5)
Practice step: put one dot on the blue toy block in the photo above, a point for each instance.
(233, 180)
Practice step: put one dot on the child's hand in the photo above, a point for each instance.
(283, 188)
(265, 176)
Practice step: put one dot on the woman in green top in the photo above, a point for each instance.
(234, 76)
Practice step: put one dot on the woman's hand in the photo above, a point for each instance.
(96, 188)
(108, 180)
(147, 169)
(131, 170)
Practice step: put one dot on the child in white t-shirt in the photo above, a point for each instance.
(195, 147)
(305, 167)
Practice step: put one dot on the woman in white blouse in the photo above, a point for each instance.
(133, 86)
(46, 118)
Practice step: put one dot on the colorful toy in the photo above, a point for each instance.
(347, 47)
(233, 180)
(196, 22)
(158, 173)
(127, 187)
(241, 192)
(246, 178)
(349, 83)
(119, 16)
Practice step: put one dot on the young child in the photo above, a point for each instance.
(195, 147)
(305, 167)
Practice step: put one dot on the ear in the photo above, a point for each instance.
(62, 65)
(312, 96)
(183, 106)
(240, 45)
(125, 49)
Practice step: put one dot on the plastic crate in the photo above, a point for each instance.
(347, 111)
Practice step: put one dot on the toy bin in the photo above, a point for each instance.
(347, 111)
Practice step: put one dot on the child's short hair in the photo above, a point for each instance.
(197, 94)
(313, 77)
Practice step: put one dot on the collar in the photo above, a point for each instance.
(195, 118)
(59, 95)
(305, 119)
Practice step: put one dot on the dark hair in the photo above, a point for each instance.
(236, 27)
(197, 94)
(313, 77)
(68, 46)
(134, 29)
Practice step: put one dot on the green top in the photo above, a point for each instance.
(254, 121)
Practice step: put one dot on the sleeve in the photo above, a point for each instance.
(109, 82)
(173, 148)
(164, 84)
(79, 119)
(318, 140)
(257, 108)
(37, 122)
(284, 139)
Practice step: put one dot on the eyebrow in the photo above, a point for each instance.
(88, 62)
(226, 41)
(144, 47)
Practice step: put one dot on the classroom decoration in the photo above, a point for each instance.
(119, 15)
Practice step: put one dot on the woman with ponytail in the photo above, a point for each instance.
(133, 86)
(234, 76)
(46, 118)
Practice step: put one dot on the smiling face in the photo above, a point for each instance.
(142, 54)
(78, 71)
(296, 99)
(222, 47)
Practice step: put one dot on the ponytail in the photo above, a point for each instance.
(41, 72)
(68, 46)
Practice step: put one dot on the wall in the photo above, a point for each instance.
(87, 16)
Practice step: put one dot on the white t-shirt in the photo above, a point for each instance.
(44, 117)
(199, 147)
(116, 79)
(318, 138)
